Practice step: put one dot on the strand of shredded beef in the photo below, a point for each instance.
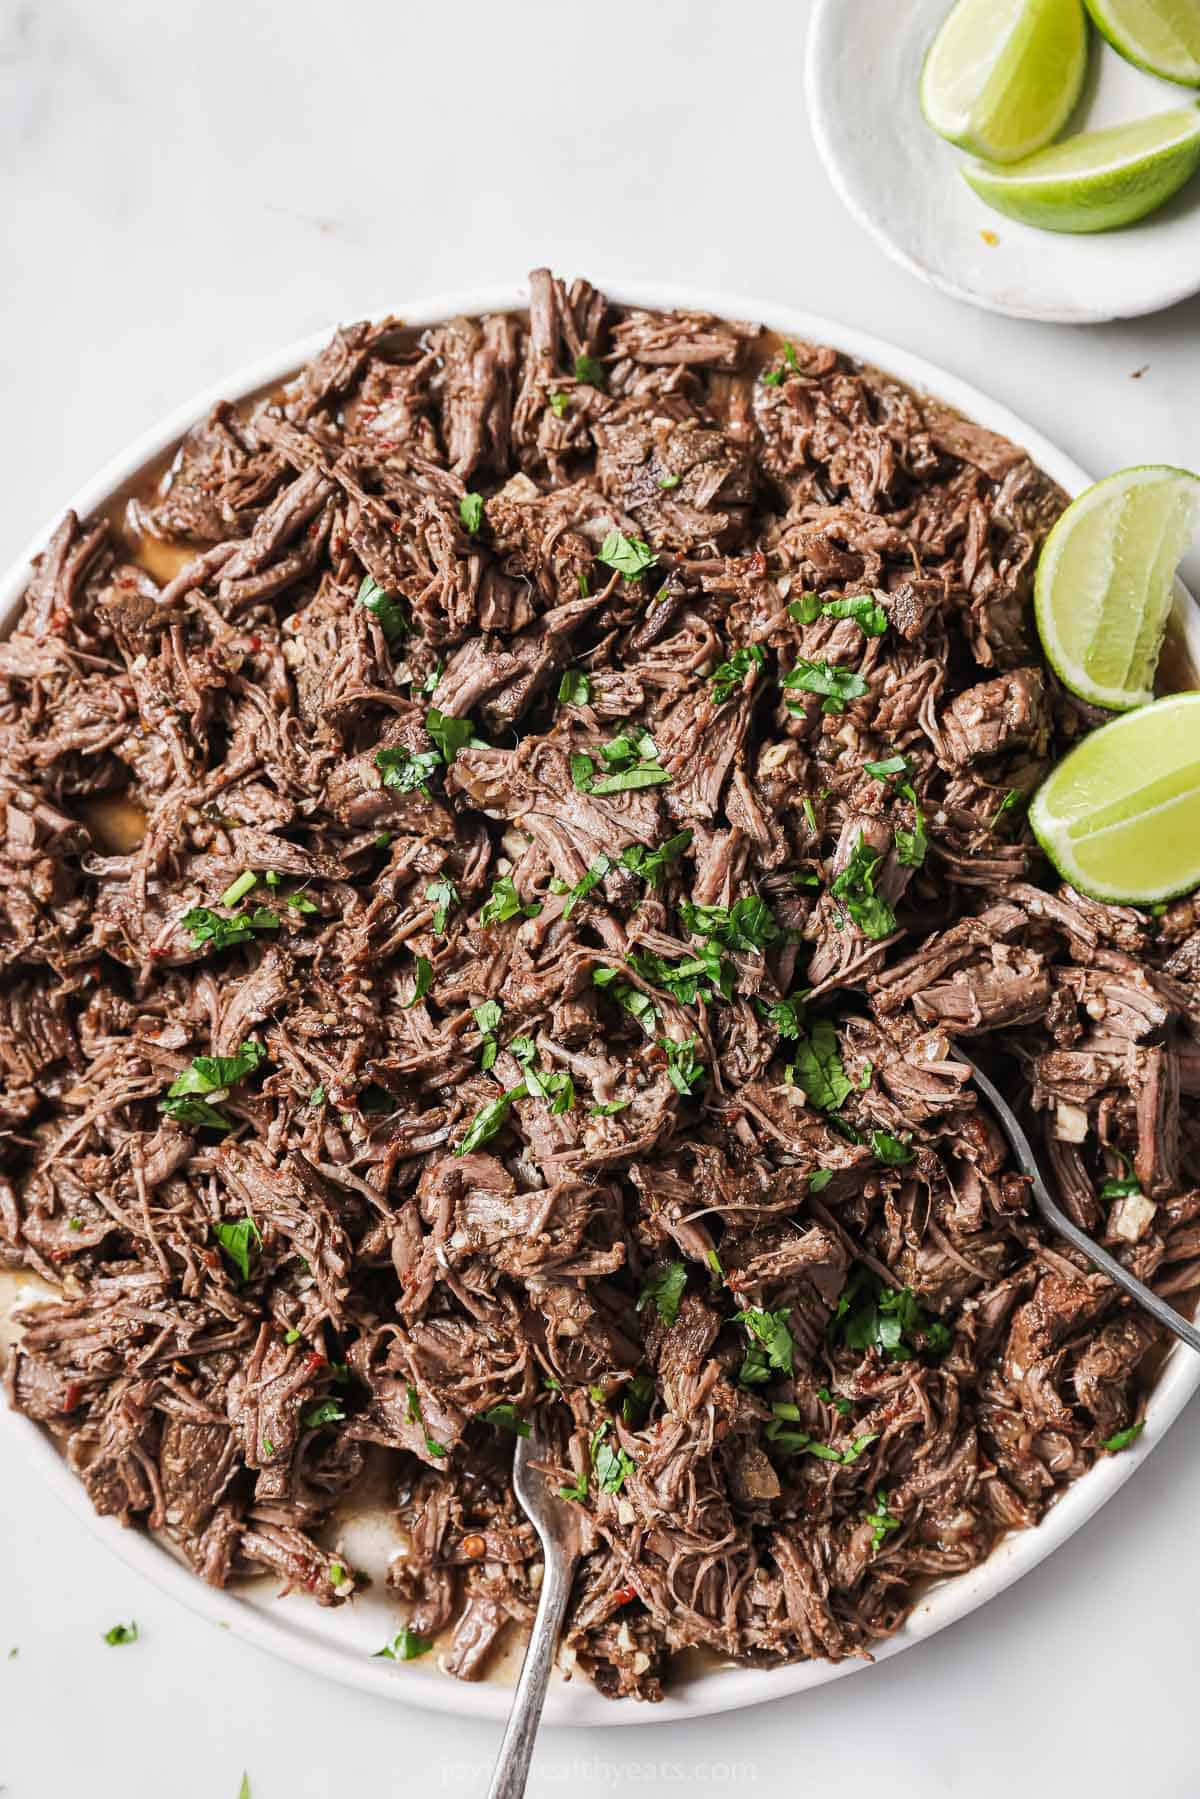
(585, 993)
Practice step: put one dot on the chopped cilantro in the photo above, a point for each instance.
(240, 1243)
(422, 984)
(609, 1109)
(585, 884)
(384, 607)
(405, 1646)
(895, 765)
(638, 1004)
(1011, 801)
(613, 1466)
(207, 926)
(863, 608)
(817, 1068)
(871, 1316)
(892, 1150)
(669, 482)
(770, 1349)
(121, 1633)
(504, 902)
(405, 770)
(666, 1289)
(855, 887)
(685, 1073)
(911, 846)
(578, 1489)
(628, 555)
(1123, 1438)
(450, 734)
(487, 1017)
(748, 924)
(636, 1400)
(505, 1416)
(489, 1121)
(470, 512)
(317, 1097)
(729, 675)
(651, 863)
(559, 403)
(587, 369)
(838, 685)
(575, 688)
(443, 894)
(819, 1179)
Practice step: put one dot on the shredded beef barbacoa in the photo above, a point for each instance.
(583, 760)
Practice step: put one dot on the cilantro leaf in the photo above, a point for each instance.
(819, 1179)
(505, 1416)
(610, 1108)
(405, 770)
(559, 403)
(839, 685)
(685, 1073)
(240, 1243)
(575, 688)
(490, 1120)
(470, 512)
(666, 1289)
(405, 1646)
(384, 606)
(422, 984)
(121, 1633)
(729, 675)
(587, 369)
(865, 610)
(504, 902)
(891, 1150)
(443, 894)
(579, 1489)
(585, 884)
(786, 1015)
(911, 846)
(1123, 1438)
(487, 1017)
(872, 1316)
(650, 864)
(207, 926)
(817, 1068)
(855, 887)
(612, 1466)
(749, 924)
(895, 765)
(639, 1005)
(450, 734)
(770, 1349)
(628, 555)
(583, 772)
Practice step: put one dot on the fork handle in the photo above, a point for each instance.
(516, 1751)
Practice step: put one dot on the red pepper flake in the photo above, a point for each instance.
(256, 644)
(624, 1595)
(73, 1395)
(314, 1362)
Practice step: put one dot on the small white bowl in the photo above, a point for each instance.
(905, 185)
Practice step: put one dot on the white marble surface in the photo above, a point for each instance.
(182, 186)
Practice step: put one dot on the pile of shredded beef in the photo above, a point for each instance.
(584, 763)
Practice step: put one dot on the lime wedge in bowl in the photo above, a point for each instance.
(1160, 35)
(1120, 816)
(1002, 76)
(1105, 582)
(1098, 180)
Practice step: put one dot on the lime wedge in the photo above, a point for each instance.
(1098, 180)
(1120, 816)
(1105, 581)
(1160, 35)
(1002, 76)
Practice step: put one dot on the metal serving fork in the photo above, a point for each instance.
(557, 1524)
(1057, 1218)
